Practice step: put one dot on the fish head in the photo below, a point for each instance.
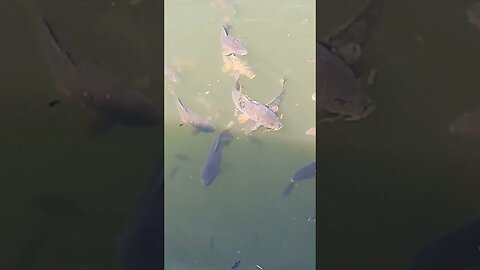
(273, 125)
(468, 124)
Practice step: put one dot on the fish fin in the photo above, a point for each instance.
(195, 131)
(288, 189)
(100, 125)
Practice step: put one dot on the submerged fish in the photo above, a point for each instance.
(143, 241)
(455, 250)
(306, 172)
(348, 41)
(171, 74)
(340, 91)
(114, 102)
(467, 124)
(212, 166)
(198, 123)
(258, 114)
(236, 265)
(234, 65)
(231, 45)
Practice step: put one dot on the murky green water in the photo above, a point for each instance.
(242, 215)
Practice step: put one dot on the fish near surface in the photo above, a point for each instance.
(339, 90)
(233, 64)
(306, 172)
(348, 41)
(171, 74)
(198, 123)
(231, 45)
(455, 250)
(114, 102)
(212, 166)
(338, 86)
(467, 124)
(258, 114)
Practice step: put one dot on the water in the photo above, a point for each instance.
(386, 184)
(241, 215)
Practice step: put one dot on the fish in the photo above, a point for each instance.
(231, 45)
(338, 83)
(339, 90)
(142, 241)
(348, 41)
(258, 114)
(212, 166)
(457, 249)
(236, 265)
(306, 172)
(233, 65)
(171, 74)
(467, 124)
(113, 101)
(198, 123)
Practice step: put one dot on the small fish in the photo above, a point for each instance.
(231, 45)
(53, 103)
(236, 265)
(468, 124)
(259, 267)
(456, 249)
(274, 105)
(306, 172)
(258, 114)
(198, 123)
(233, 65)
(171, 74)
(212, 166)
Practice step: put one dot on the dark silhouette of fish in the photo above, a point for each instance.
(212, 166)
(143, 246)
(236, 265)
(455, 250)
(114, 102)
(306, 172)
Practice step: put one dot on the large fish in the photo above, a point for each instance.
(198, 123)
(306, 172)
(455, 250)
(231, 45)
(258, 114)
(212, 166)
(143, 242)
(114, 102)
(339, 88)
(468, 124)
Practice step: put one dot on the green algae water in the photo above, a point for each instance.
(242, 215)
